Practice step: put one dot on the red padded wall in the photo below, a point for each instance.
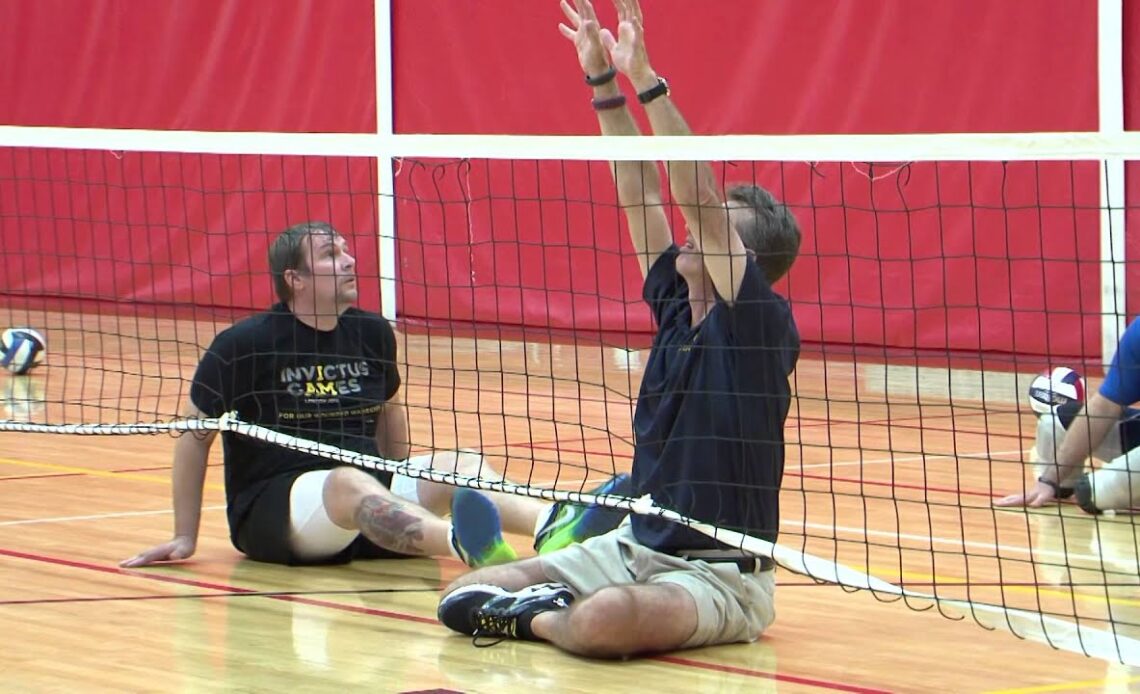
(949, 257)
(953, 279)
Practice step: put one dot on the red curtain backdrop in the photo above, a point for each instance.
(979, 258)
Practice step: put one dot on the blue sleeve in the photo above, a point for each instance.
(664, 289)
(1122, 382)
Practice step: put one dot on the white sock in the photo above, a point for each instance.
(453, 545)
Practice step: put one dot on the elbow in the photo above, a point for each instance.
(396, 450)
(693, 185)
(698, 198)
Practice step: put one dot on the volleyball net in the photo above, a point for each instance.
(938, 275)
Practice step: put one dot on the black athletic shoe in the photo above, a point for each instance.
(486, 610)
(457, 609)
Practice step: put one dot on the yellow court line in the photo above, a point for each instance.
(97, 473)
(948, 582)
(1068, 686)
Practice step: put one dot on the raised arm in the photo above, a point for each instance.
(692, 183)
(638, 183)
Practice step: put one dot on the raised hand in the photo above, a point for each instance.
(586, 34)
(628, 51)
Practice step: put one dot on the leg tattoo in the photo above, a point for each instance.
(388, 524)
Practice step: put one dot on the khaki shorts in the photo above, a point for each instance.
(731, 606)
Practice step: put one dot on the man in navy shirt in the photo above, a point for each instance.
(710, 413)
(1109, 431)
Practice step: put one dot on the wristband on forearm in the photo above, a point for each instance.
(609, 103)
(604, 78)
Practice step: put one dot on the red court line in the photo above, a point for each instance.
(673, 660)
(152, 468)
(12, 478)
(210, 586)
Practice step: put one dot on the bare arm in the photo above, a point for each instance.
(692, 184)
(191, 455)
(393, 435)
(1083, 437)
(638, 183)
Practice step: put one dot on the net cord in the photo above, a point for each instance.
(1033, 626)
(1040, 146)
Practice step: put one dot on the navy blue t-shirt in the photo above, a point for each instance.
(709, 424)
(282, 374)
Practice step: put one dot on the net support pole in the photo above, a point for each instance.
(1110, 80)
(385, 180)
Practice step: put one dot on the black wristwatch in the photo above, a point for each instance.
(661, 89)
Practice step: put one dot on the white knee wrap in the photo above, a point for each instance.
(1050, 434)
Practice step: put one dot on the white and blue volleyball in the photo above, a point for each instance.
(21, 349)
(1058, 389)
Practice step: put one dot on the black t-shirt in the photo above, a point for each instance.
(275, 371)
(709, 423)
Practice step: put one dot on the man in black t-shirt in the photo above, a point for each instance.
(317, 368)
(710, 413)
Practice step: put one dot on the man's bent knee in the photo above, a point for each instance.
(619, 621)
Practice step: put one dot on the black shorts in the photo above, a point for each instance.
(263, 535)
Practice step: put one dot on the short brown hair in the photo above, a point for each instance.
(286, 253)
(771, 232)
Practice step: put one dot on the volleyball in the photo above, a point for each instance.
(21, 349)
(1057, 388)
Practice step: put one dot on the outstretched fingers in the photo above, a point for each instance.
(628, 10)
(635, 9)
(586, 10)
(574, 17)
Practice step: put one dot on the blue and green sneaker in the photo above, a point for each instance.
(570, 523)
(476, 531)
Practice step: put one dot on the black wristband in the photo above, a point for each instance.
(1059, 492)
(1051, 484)
(661, 89)
(604, 78)
(607, 104)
